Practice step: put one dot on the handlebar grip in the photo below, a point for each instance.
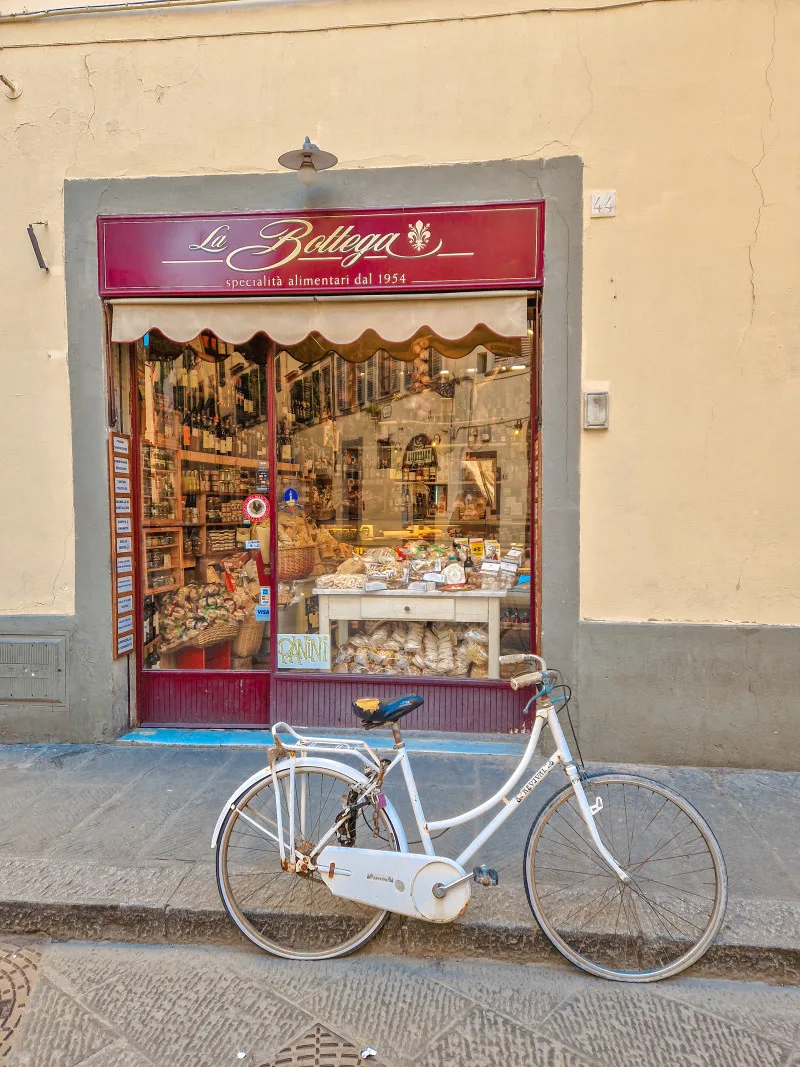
(517, 657)
(524, 680)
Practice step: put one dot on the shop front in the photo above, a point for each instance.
(329, 483)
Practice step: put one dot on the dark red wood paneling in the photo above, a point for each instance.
(204, 698)
(470, 706)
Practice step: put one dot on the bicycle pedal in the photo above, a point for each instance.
(485, 876)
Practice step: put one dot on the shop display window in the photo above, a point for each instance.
(401, 505)
(203, 439)
(404, 505)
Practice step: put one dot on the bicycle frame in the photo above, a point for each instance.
(546, 713)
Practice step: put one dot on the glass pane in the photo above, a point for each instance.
(404, 517)
(204, 450)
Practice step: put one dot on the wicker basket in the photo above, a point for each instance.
(216, 634)
(248, 640)
(295, 563)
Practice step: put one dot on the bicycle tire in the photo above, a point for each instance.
(550, 892)
(329, 926)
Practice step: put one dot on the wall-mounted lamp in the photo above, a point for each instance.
(518, 427)
(36, 249)
(307, 161)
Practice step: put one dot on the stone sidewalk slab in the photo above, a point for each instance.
(114, 841)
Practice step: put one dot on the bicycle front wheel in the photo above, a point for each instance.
(653, 927)
(284, 912)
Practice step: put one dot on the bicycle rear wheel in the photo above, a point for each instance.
(665, 918)
(283, 912)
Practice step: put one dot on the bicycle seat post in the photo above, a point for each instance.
(398, 740)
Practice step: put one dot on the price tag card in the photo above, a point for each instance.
(121, 466)
(124, 603)
(124, 624)
(491, 568)
(125, 585)
(123, 525)
(125, 645)
(122, 485)
(122, 504)
(510, 568)
(124, 565)
(433, 576)
(124, 544)
(120, 444)
(252, 545)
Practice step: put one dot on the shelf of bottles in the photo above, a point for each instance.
(163, 562)
(159, 486)
(423, 494)
(204, 448)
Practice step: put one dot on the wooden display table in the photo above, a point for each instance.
(398, 605)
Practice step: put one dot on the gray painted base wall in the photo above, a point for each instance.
(719, 696)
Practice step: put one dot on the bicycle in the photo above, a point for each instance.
(622, 874)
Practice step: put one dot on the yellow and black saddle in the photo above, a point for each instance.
(375, 712)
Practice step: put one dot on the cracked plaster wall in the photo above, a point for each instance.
(686, 107)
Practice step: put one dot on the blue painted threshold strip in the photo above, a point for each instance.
(263, 739)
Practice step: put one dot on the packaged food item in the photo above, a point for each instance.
(475, 632)
(378, 631)
(352, 565)
(491, 549)
(476, 548)
(341, 581)
(461, 660)
(413, 641)
(454, 575)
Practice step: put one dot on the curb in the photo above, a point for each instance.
(148, 924)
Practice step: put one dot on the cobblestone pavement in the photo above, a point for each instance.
(113, 1005)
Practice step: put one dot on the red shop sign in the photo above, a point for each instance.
(491, 246)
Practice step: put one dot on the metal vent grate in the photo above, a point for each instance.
(33, 670)
(320, 1048)
(17, 973)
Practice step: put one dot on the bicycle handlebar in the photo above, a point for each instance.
(522, 681)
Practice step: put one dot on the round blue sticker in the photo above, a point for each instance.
(291, 496)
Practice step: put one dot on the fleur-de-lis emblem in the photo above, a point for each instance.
(419, 234)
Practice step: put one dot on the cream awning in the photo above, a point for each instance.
(341, 320)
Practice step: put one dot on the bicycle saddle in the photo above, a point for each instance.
(374, 712)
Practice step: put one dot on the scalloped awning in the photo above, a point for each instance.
(342, 321)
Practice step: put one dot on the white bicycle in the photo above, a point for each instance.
(623, 875)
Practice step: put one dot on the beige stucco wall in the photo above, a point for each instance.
(687, 108)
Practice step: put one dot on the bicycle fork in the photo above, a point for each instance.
(549, 712)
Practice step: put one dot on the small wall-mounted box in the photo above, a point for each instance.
(595, 411)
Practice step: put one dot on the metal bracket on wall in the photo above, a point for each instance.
(13, 89)
(35, 243)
